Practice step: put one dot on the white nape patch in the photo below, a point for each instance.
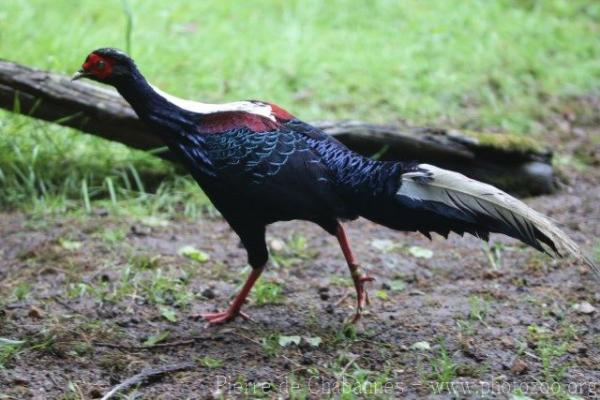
(206, 108)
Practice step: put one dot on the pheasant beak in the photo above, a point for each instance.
(80, 74)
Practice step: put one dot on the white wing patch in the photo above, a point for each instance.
(207, 108)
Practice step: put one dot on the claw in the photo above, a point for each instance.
(234, 309)
(362, 296)
(223, 316)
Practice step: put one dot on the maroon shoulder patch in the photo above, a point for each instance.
(226, 121)
(280, 114)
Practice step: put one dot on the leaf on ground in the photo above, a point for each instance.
(154, 339)
(397, 285)
(194, 254)
(384, 245)
(70, 245)
(168, 313)
(210, 362)
(313, 341)
(155, 222)
(421, 346)
(420, 252)
(277, 245)
(10, 342)
(584, 308)
(287, 340)
(382, 295)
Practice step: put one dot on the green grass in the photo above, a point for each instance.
(141, 280)
(478, 308)
(476, 64)
(9, 349)
(550, 347)
(443, 370)
(266, 292)
(210, 362)
(293, 251)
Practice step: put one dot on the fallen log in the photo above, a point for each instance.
(514, 163)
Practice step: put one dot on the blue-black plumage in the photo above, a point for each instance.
(258, 164)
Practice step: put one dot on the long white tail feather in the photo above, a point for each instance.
(469, 196)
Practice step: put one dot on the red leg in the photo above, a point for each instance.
(235, 307)
(362, 297)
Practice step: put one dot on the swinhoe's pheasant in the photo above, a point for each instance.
(259, 164)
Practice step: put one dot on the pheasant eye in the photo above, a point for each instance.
(100, 65)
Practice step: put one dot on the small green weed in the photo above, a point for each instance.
(494, 252)
(270, 345)
(293, 252)
(9, 349)
(443, 369)
(267, 293)
(550, 346)
(22, 291)
(479, 308)
(347, 332)
(210, 362)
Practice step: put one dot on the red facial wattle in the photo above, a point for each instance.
(99, 66)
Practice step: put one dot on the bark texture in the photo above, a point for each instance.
(507, 161)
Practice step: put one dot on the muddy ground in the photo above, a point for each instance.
(90, 301)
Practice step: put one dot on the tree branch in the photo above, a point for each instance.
(145, 376)
(519, 167)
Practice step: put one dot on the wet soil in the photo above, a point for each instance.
(85, 295)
